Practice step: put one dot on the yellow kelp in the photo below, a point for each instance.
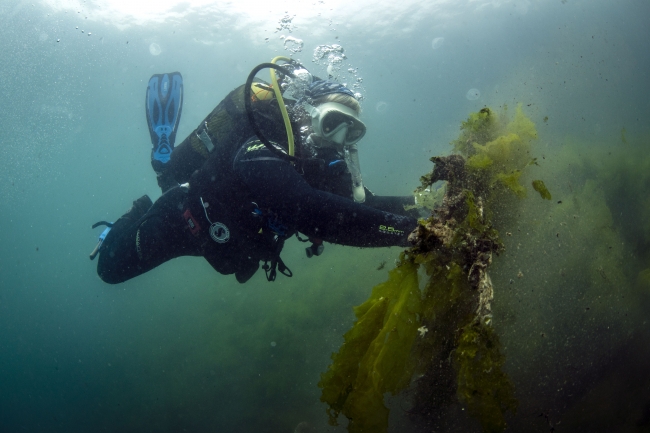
(375, 357)
(497, 151)
(440, 341)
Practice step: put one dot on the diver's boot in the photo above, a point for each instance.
(137, 211)
(165, 180)
(139, 208)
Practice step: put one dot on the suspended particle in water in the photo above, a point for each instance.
(273, 344)
(381, 107)
(154, 49)
(473, 94)
(437, 43)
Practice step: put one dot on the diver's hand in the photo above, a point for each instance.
(429, 198)
(421, 197)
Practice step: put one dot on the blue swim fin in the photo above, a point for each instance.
(164, 104)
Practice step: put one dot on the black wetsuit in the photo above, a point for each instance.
(244, 201)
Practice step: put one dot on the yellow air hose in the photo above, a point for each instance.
(283, 108)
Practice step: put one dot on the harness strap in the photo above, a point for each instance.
(284, 270)
(276, 263)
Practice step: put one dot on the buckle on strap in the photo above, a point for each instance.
(203, 135)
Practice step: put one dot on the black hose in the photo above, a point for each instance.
(249, 108)
(102, 223)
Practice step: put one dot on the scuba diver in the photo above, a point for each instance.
(272, 160)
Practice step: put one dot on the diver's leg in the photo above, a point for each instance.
(136, 245)
(113, 245)
(164, 103)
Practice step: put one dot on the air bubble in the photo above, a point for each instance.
(331, 56)
(331, 71)
(473, 94)
(154, 49)
(437, 43)
(293, 44)
(381, 107)
(328, 53)
(285, 24)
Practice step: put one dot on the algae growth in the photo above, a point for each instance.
(439, 341)
(539, 186)
(380, 341)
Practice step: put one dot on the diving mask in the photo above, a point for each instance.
(337, 123)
